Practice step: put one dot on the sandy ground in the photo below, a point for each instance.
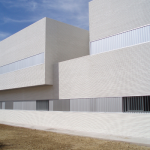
(16, 138)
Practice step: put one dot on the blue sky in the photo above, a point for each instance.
(18, 14)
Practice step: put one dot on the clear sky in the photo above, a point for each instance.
(18, 14)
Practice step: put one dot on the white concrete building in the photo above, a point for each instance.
(50, 66)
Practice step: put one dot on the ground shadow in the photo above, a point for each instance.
(2, 145)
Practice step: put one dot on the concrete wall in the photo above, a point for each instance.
(43, 92)
(30, 93)
(25, 43)
(118, 73)
(63, 42)
(118, 124)
(110, 17)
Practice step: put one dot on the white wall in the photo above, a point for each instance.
(118, 124)
(110, 17)
(118, 73)
(23, 44)
(63, 42)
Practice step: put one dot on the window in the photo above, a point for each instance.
(24, 63)
(136, 104)
(42, 105)
(125, 39)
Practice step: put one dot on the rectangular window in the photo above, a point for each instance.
(8, 105)
(61, 105)
(136, 104)
(42, 105)
(125, 39)
(24, 63)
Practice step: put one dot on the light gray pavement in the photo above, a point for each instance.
(132, 140)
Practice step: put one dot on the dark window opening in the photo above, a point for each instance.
(42, 105)
(136, 104)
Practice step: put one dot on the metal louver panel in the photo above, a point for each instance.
(0, 105)
(97, 104)
(3, 105)
(29, 105)
(17, 105)
(24, 105)
(50, 105)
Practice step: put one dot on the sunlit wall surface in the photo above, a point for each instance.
(125, 39)
(24, 63)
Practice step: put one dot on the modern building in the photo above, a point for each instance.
(57, 67)
(29, 63)
(117, 70)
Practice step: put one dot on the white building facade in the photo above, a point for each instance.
(55, 70)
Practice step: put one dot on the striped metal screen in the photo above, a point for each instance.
(24, 105)
(136, 104)
(97, 104)
(0, 105)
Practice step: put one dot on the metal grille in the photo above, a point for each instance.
(42, 105)
(130, 38)
(24, 63)
(136, 104)
(107, 104)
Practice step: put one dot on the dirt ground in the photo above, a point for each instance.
(16, 138)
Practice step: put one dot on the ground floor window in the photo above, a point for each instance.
(136, 104)
(42, 105)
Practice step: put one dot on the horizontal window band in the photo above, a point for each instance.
(125, 39)
(24, 63)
